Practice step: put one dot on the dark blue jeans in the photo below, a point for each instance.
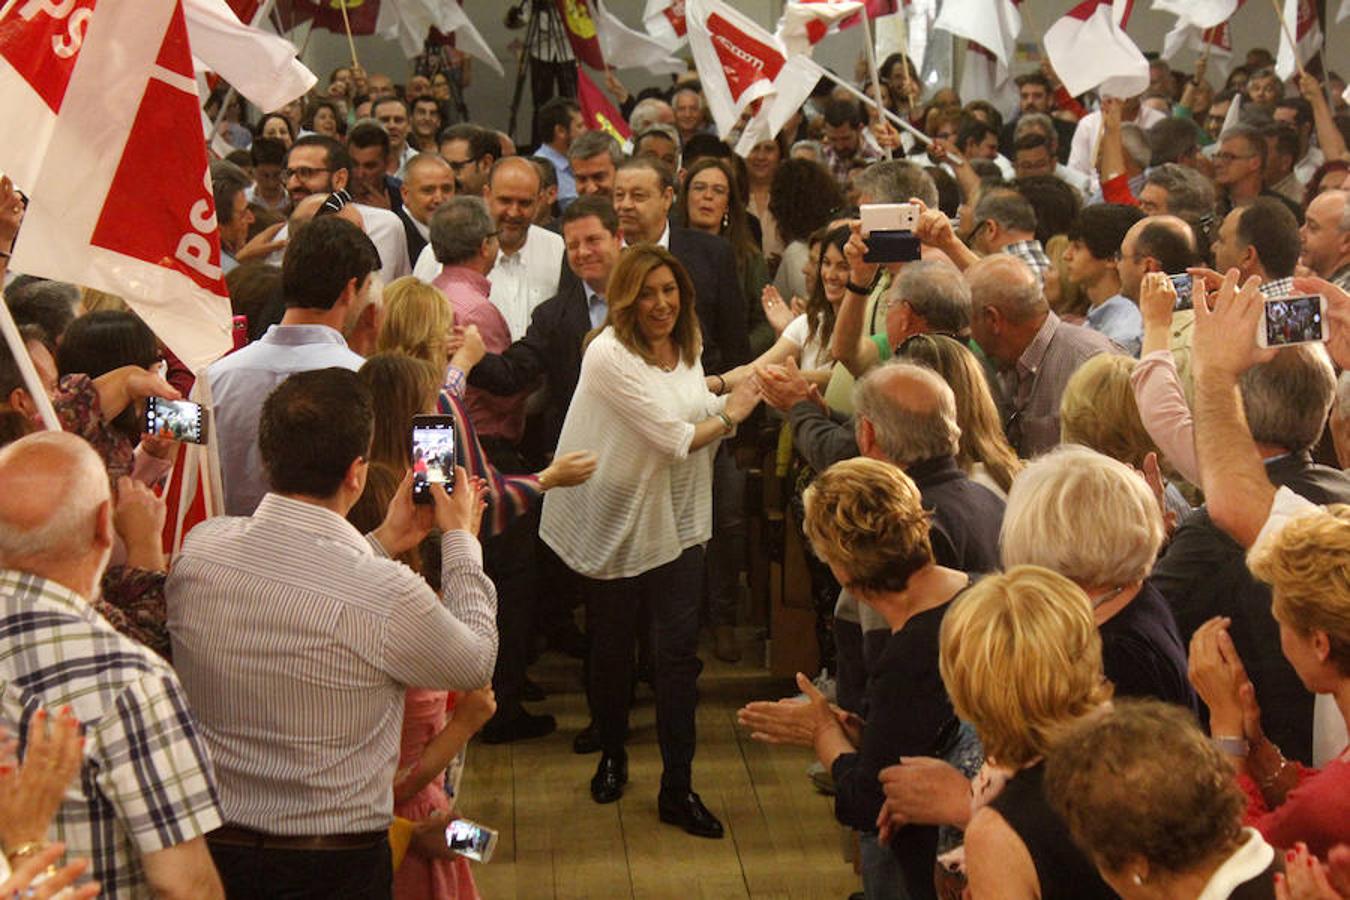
(253, 874)
(672, 593)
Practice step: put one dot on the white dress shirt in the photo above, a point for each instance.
(385, 230)
(524, 279)
(1082, 154)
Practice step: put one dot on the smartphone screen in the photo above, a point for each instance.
(470, 839)
(182, 419)
(433, 455)
(1293, 320)
(1183, 284)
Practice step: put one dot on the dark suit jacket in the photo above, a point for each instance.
(1204, 574)
(722, 311)
(416, 243)
(551, 347)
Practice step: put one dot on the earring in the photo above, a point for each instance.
(726, 220)
(1137, 878)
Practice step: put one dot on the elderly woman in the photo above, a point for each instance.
(864, 518)
(1022, 661)
(1307, 565)
(1097, 523)
(1156, 807)
(635, 532)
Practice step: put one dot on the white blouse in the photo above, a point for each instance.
(650, 498)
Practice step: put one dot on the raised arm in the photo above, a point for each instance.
(848, 344)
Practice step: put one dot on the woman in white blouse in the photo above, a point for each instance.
(636, 530)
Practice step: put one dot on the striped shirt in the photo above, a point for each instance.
(145, 783)
(509, 496)
(296, 640)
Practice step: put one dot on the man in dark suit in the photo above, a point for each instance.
(428, 181)
(1204, 571)
(644, 190)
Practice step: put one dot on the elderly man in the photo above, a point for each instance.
(1326, 238)
(297, 638)
(1034, 351)
(146, 794)
(929, 296)
(529, 258)
(1005, 222)
(1177, 190)
(428, 183)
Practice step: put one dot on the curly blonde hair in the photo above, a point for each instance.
(1022, 660)
(865, 517)
(1307, 565)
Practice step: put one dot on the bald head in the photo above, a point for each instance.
(1008, 284)
(905, 414)
(1155, 244)
(308, 208)
(53, 502)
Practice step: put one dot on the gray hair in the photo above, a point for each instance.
(1344, 223)
(1084, 515)
(936, 290)
(227, 182)
(1190, 195)
(459, 228)
(669, 132)
(906, 436)
(76, 496)
(1008, 208)
(1038, 122)
(1251, 135)
(594, 143)
(1288, 398)
(897, 181)
(815, 148)
(1136, 144)
(647, 113)
(1006, 282)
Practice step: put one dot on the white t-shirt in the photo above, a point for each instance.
(650, 498)
(813, 355)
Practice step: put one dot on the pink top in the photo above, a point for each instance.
(1316, 812)
(467, 290)
(1163, 410)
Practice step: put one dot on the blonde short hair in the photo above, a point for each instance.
(865, 517)
(1022, 659)
(1098, 410)
(417, 320)
(1084, 515)
(1307, 565)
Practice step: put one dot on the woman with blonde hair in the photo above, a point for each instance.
(1022, 662)
(1096, 522)
(635, 532)
(984, 451)
(1307, 565)
(1065, 296)
(866, 520)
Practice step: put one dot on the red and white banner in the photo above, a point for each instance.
(1300, 20)
(119, 192)
(258, 64)
(579, 25)
(806, 22)
(327, 14)
(599, 113)
(1089, 49)
(624, 48)
(1200, 13)
(1218, 40)
(664, 21)
(790, 89)
(737, 60)
(993, 24)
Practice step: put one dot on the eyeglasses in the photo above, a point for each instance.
(304, 173)
(703, 187)
(457, 167)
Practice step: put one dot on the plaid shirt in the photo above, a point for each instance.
(1278, 288)
(1031, 253)
(146, 782)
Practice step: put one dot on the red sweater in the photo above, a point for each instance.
(1316, 811)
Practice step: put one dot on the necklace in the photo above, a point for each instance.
(1099, 602)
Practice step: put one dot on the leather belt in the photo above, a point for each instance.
(239, 836)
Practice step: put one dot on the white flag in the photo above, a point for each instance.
(737, 60)
(665, 21)
(624, 48)
(1201, 13)
(259, 65)
(1089, 49)
(993, 24)
(109, 94)
(791, 88)
(467, 38)
(805, 22)
(1300, 20)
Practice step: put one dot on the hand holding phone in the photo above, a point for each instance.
(1293, 320)
(433, 455)
(471, 840)
(181, 420)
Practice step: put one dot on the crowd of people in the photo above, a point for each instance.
(1079, 547)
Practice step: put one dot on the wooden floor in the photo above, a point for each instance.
(781, 840)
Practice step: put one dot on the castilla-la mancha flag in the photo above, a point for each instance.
(579, 25)
(111, 156)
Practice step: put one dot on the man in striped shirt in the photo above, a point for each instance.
(296, 638)
(145, 796)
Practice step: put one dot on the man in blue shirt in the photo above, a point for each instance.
(1093, 261)
(325, 272)
(560, 123)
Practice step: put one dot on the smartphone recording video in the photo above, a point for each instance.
(1183, 284)
(471, 839)
(1293, 320)
(888, 231)
(182, 420)
(433, 455)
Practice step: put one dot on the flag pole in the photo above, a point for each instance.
(925, 139)
(347, 27)
(872, 62)
(31, 381)
(263, 11)
(1293, 45)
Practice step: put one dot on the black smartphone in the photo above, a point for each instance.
(1183, 284)
(182, 419)
(433, 455)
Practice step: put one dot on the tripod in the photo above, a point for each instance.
(546, 58)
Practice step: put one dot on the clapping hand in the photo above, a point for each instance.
(32, 791)
(1217, 674)
(783, 387)
(790, 721)
(779, 314)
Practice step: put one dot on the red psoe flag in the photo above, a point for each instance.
(665, 21)
(112, 159)
(580, 28)
(737, 60)
(599, 113)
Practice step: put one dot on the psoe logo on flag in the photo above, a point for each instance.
(43, 49)
(674, 14)
(744, 59)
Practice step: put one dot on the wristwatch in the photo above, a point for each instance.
(1233, 746)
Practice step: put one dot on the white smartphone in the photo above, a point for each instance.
(1293, 320)
(888, 217)
(469, 839)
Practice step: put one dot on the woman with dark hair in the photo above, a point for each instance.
(277, 127)
(712, 203)
(324, 117)
(803, 197)
(760, 168)
(635, 532)
(1330, 175)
